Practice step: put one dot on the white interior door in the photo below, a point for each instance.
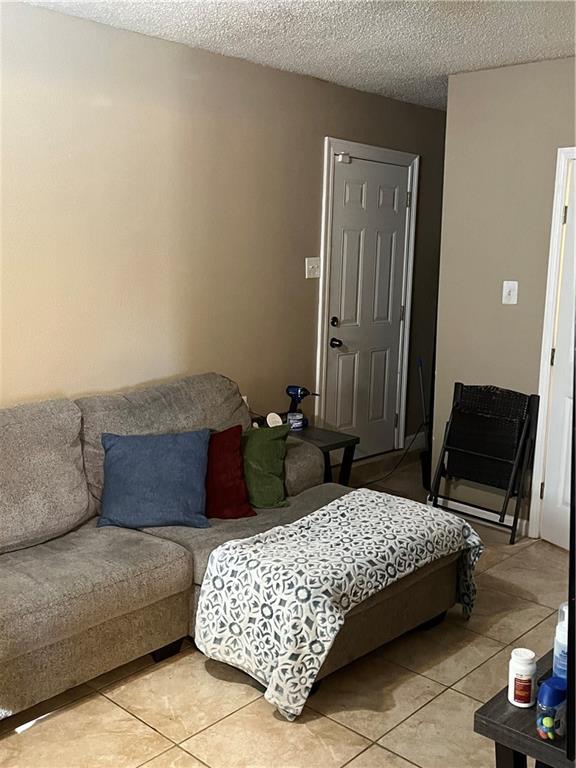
(556, 498)
(365, 311)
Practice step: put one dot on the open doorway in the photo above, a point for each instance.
(550, 514)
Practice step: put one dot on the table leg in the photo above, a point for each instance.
(509, 758)
(327, 467)
(346, 466)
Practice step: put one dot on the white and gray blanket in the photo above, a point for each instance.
(273, 604)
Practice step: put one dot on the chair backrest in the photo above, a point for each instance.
(491, 401)
(486, 429)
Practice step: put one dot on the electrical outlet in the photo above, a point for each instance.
(510, 292)
(312, 267)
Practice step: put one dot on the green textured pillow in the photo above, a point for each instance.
(264, 451)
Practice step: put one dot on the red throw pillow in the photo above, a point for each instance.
(226, 492)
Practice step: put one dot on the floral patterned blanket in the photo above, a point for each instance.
(273, 604)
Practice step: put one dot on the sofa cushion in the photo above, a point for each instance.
(62, 587)
(226, 491)
(155, 480)
(43, 490)
(208, 400)
(202, 542)
(303, 466)
(264, 451)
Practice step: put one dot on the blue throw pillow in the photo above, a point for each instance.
(153, 480)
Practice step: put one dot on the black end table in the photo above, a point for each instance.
(514, 730)
(327, 441)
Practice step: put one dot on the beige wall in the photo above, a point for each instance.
(158, 204)
(503, 130)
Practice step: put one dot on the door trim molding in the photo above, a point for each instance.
(563, 158)
(333, 147)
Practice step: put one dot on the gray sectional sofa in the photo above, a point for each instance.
(77, 600)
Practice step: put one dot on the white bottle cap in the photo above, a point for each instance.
(523, 655)
(273, 420)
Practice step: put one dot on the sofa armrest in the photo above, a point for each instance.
(303, 466)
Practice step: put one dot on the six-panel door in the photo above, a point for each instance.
(365, 300)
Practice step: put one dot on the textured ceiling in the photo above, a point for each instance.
(400, 49)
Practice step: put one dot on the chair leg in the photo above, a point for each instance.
(438, 474)
(505, 505)
(521, 488)
(515, 521)
(519, 460)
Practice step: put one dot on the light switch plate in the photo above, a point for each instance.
(510, 292)
(312, 267)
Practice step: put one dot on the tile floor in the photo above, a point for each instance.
(411, 703)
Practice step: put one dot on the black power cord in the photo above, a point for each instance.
(401, 459)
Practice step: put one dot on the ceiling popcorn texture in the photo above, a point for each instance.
(404, 50)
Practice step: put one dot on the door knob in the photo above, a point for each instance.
(335, 343)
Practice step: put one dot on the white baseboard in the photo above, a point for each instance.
(465, 510)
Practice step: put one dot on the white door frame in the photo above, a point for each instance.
(333, 147)
(564, 156)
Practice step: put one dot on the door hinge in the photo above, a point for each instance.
(343, 157)
(402, 313)
(408, 199)
(565, 215)
(541, 490)
(396, 420)
(552, 355)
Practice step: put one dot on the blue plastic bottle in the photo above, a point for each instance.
(560, 666)
(551, 709)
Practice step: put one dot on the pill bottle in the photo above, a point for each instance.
(551, 709)
(522, 678)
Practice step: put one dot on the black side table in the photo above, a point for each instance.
(327, 441)
(513, 731)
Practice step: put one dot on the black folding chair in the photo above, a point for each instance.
(489, 439)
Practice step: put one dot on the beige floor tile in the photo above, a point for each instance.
(539, 574)
(378, 757)
(497, 553)
(370, 470)
(44, 708)
(406, 482)
(489, 558)
(183, 695)
(441, 735)
(174, 758)
(499, 615)
(92, 733)
(445, 653)
(541, 638)
(373, 695)
(499, 538)
(496, 546)
(489, 678)
(258, 737)
(120, 673)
